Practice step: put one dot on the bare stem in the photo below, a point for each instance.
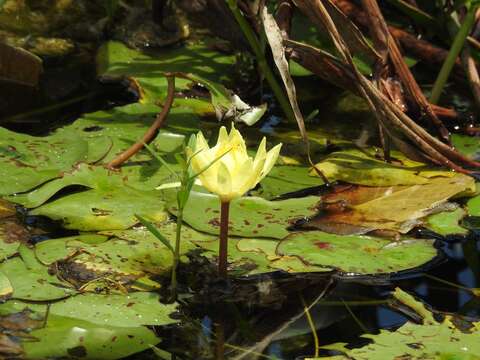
(152, 131)
(223, 249)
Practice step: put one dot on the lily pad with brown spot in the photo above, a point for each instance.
(246, 256)
(49, 251)
(86, 340)
(12, 234)
(124, 125)
(121, 264)
(104, 210)
(364, 255)
(28, 161)
(129, 310)
(6, 209)
(430, 339)
(34, 284)
(284, 179)
(116, 59)
(249, 216)
(74, 336)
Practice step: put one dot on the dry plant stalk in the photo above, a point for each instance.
(152, 131)
(405, 133)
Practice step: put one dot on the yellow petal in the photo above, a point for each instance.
(262, 151)
(256, 173)
(222, 135)
(224, 182)
(242, 180)
(201, 143)
(272, 157)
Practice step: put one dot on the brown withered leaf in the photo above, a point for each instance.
(356, 209)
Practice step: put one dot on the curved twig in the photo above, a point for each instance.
(152, 131)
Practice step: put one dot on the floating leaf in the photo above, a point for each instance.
(447, 222)
(430, 340)
(75, 338)
(12, 234)
(473, 206)
(110, 204)
(132, 310)
(357, 254)
(103, 210)
(167, 229)
(50, 251)
(6, 289)
(126, 262)
(361, 167)
(28, 161)
(89, 326)
(467, 145)
(285, 179)
(124, 125)
(249, 216)
(33, 284)
(358, 210)
(115, 58)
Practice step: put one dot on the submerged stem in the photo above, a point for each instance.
(223, 249)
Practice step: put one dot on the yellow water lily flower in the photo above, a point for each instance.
(235, 172)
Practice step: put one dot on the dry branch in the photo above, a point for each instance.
(152, 131)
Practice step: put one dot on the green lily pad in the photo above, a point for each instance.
(250, 256)
(114, 58)
(430, 340)
(131, 310)
(249, 216)
(124, 125)
(473, 206)
(467, 145)
(205, 66)
(33, 284)
(246, 256)
(73, 337)
(168, 230)
(103, 210)
(6, 289)
(127, 262)
(110, 204)
(50, 251)
(285, 179)
(9, 238)
(357, 254)
(89, 326)
(63, 337)
(28, 161)
(362, 167)
(447, 222)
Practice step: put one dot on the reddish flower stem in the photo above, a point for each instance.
(152, 131)
(223, 249)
